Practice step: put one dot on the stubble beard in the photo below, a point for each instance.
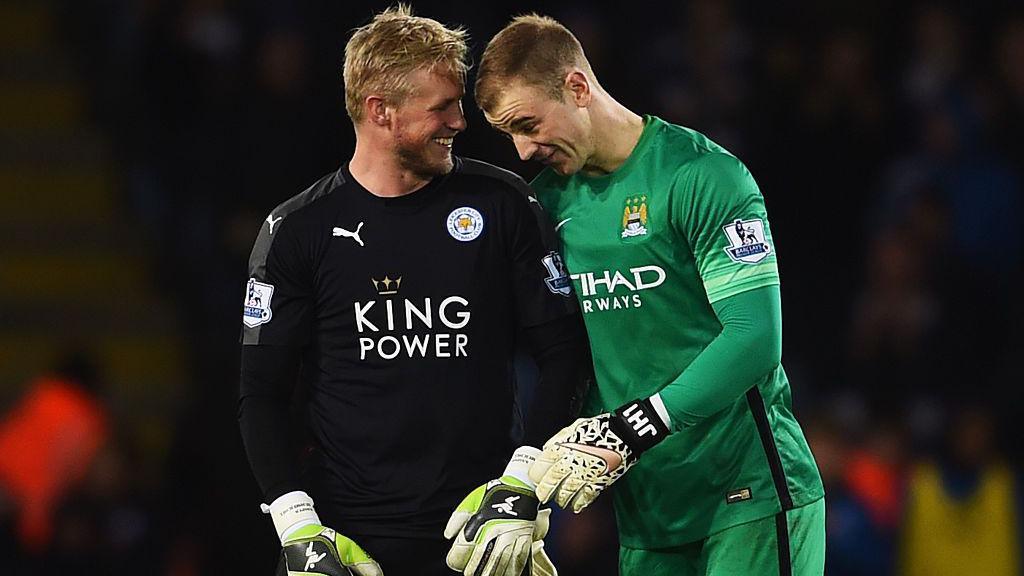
(416, 158)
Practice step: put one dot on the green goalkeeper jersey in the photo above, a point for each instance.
(650, 247)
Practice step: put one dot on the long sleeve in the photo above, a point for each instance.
(562, 355)
(747, 349)
(268, 375)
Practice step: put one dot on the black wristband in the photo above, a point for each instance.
(638, 425)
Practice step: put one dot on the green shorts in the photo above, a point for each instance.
(787, 544)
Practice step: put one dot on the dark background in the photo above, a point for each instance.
(142, 142)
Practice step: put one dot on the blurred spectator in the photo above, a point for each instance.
(895, 324)
(703, 60)
(105, 526)
(937, 55)
(278, 124)
(48, 442)
(945, 214)
(863, 487)
(962, 514)
(846, 93)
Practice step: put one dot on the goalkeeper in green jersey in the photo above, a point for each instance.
(667, 240)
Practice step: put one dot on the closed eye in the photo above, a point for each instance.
(525, 125)
(525, 128)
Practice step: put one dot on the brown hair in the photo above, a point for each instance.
(380, 56)
(532, 49)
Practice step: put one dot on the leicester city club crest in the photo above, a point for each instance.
(634, 216)
(256, 308)
(465, 224)
(748, 243)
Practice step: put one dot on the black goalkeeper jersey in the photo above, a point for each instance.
(406, 310)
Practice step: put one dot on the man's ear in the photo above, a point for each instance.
(578, 86)
(377, 111)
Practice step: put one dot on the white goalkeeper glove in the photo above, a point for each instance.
(540, 564)
(308, 548)
(498, 528)
(591, 453)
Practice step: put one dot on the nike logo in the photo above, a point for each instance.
(562, 223)
(611, 458)
(352, 235)
(271, 220)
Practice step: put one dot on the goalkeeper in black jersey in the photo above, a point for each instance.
(396, 290)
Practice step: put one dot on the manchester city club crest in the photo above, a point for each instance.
(465, 224)
(747, 240)
(256, 308)
(634, 216)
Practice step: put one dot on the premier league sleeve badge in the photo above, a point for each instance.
(748, 243)
(256, 307)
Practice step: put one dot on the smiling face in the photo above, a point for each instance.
(425, 123)
(554, 132)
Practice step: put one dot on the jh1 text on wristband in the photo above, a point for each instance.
(638, 425)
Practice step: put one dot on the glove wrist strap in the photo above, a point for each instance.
(639, 425)
(290, 512)
(519, 466)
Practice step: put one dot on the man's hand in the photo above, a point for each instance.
(592, 453)
(308, 548)
(540, 564)
(495, 527)
(314, 549)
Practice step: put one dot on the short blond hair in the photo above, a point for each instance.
(533, 50)
(380, 56)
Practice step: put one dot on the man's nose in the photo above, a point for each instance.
(458, 119)
(524, 146)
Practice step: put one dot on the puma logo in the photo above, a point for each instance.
(352, 235)
(271, 220)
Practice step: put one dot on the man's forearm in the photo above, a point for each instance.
(747, 349)
(562, 354)
(267, 378)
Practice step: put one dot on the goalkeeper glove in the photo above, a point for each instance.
(591, 453)
(308, 548)
(540, 564)
(498, 529)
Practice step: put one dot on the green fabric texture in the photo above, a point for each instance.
(751, 548)
(750, 344)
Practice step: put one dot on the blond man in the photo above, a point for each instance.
(395, 289)
(666, 234)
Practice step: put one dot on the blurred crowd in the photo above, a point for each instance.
(884, 137)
